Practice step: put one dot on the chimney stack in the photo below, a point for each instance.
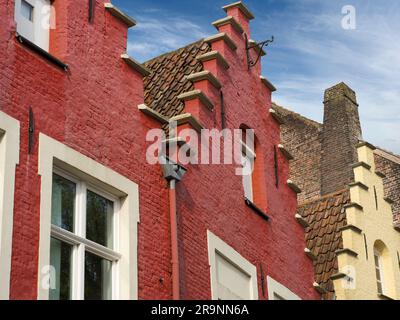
(341, 134)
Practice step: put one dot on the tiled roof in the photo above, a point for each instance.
(168, 78)
(325, 216)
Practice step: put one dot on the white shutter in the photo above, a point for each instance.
(247, 177)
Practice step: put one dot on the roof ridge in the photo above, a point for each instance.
(298, 115)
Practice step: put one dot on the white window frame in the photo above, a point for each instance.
(9, 159)
(53, 154)
(38, 30)
(78, 239)
(218, 247)
(380, 269)
(249, 157)
(277, 289)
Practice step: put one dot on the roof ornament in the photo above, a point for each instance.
(259, 46)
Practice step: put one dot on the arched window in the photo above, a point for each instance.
(379, 269)
(384, 270)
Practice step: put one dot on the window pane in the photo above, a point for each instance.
(26, 10)
(380, 289)
(97, 278)
(99, 217)
(60, 260)
(63, 203)
(376, 261)
(378, 274)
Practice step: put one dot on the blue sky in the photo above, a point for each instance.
(311, 52)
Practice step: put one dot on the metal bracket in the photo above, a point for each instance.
(260, 46)
(276, 169)
(91, 10)
(31, 131)
(262, 280)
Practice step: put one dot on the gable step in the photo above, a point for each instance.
(347, 251)
(359, 184)
(309, 254)
(222, 36)
(229, 20)
(319, 288)
(293, 186)
(242, 7)
(268, 84)
(285, 152)
(153, 114)
(214, 55)
(352, 228)
(276, 116)
(197, 94)
(135, 65)
(187, 118)
(117, 13)
(361, 164)
(353, 205)
(205, 75)
(303, 222)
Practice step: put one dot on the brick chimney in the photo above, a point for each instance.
(341, 134)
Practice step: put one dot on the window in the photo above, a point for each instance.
(277, 291)
(88, 228)
(33, 21)
(253, 173)
(384, 271)
(248, 158)
(232, 276)
(379, 272)
(9, 158)
(82, 249)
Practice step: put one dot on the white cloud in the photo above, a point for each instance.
(161, 33)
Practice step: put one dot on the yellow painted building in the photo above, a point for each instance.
(369, 264)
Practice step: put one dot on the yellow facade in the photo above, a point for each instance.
(370, 232)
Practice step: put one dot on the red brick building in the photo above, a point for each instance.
(84, 216)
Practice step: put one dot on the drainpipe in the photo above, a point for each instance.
(173, 173)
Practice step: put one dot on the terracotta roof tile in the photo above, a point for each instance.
(325, 217)
(168, 78)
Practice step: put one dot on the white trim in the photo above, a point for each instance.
(379, 269)
(217, 246)
(9, 158)
(90, 246)
(247, 151)
(275, 288)
(53, 153)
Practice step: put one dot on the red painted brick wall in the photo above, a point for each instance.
(92, 109)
